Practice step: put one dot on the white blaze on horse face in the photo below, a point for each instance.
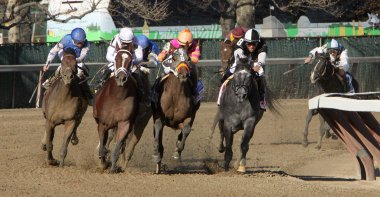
(124, 56)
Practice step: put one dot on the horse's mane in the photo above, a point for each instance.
(70, 51)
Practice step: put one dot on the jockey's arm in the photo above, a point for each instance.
(138, 55)
(194, 55)
(319, 50)
(164, 52)
(343, 61)
(83, 54)
(53, 52)
(111, 53)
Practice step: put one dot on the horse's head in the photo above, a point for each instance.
(68, 66)
(226, 51)
(180, 59)
(242, 82)
(322, 68)
(123, 60)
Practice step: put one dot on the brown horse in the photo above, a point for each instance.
(226, 53)
(63, 103)
(176, 109)
(116, 106)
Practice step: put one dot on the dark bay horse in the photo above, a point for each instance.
(176, 108)
(63, 103)
(239, 110)
(226, 53)
(116, 106)
(326, 76)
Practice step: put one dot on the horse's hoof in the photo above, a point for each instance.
(177, 156)
(43, 147)
(318, 147)
(241, 169)
(305, 144)
(53, 162)
(221, 149)
(158, 168)
(334, 137)
(156, 158)
(74, 141)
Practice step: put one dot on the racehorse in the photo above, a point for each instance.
(116, 106)
(239, 110)
(226, 53)
(326, 76)
(63, 103)
(176, 108)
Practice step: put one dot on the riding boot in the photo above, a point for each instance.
(261, 88)
(106, 74)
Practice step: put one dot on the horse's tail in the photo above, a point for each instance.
(272, 99)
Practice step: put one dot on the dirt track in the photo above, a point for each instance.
(278, 164)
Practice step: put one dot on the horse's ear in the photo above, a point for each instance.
(316, 54)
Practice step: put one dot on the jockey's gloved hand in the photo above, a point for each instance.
(308, 59)
(166, 69)
(256, 66)
(46, 67)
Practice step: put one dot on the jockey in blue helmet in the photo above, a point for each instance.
(149, 48)
(77, 41)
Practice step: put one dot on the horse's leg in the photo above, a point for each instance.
(158, 150)
(110, 135)
(309, 116)
(47, 143)
(221, 147)
(216, 120)
(181, 141)
(249, 129)
(135, 135)
(70, 127)
(229, 140)
(123, 129)
(102, 141)
(74, 138)
(322, 131)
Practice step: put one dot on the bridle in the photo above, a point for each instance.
(124, 56)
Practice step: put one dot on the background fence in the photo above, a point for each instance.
(18, 77)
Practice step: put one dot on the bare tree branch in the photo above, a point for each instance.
(18, 12)
(145, 9)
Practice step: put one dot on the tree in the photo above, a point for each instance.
(128, 12)
(337, 9)
(17, 14)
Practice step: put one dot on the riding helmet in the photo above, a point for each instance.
(252, 36)
(142, 40)
(126, 35)
(185, 37)
(333, 44)
(78, 35)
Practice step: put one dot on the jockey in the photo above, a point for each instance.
(338, 58)
(252, 50)
(235, 34)
(124, 37)
(149, 48)
(185, 40)
(78, 42)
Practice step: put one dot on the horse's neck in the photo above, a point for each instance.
(331, 85)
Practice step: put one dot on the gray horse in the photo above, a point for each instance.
(239, 110)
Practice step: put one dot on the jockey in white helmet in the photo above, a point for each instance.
(338, 58)
(124, 37)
